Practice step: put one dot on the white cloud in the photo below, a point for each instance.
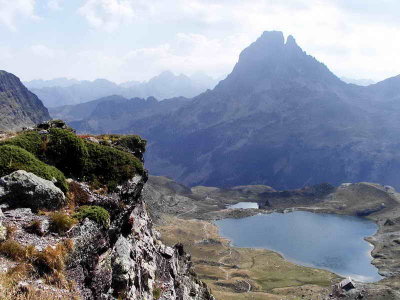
(45, 52)
(12, 10)
(107, 14)
(353, 39)
(54, 4)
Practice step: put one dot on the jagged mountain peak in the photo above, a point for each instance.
(271, 61)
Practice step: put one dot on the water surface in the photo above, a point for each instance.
(325, 241)
(244, 205)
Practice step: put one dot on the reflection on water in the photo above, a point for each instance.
(324, 241)
(244, 205)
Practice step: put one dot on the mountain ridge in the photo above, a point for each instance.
(282, 119)
(18, 106)
(62, 91)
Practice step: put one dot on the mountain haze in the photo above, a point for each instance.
(18, 106)
(62, 91)
(282, 119)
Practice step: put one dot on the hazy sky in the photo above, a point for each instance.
(135, 39)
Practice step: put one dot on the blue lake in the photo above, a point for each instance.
(244, 205)
(324, 241)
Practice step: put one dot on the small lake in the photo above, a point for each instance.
(324, 241)
(244, 205)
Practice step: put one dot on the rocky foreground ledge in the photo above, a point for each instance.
(83, 239)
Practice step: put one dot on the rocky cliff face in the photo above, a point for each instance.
(84, 240)
(18, 106)
(129, 261)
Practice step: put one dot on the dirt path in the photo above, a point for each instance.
(187, 212)
(221, 261)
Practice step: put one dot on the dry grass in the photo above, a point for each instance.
(10, 231)
(61, 222)
(48, 264)
(77, 195)
(35, 227)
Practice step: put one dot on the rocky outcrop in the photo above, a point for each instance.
(18, 106)
(24, 189)
(128, 261)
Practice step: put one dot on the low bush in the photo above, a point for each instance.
(94, 213)
(67, 152)
(61, 222)
(133, 143)
(13, 158)
(31, 141)
(111, 166)
(74, 157)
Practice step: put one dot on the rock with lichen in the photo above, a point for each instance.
(24, 189)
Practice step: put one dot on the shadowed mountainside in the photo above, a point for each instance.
(281, 118)
(18, 106)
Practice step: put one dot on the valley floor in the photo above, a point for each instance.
(185, 216)
(243, 273)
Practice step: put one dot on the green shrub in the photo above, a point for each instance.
(75, 157)
(110, 166)
(94, 213)
(61, 222)
(67, 152)
(31, 141)
(13, 158)
(133, 143)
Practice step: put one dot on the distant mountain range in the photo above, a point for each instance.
(281, 118)
(361, 82)
(18, 106)
(63, 91)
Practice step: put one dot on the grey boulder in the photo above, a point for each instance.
(23, 189)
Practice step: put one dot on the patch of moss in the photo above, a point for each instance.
(157, 293)
(133, 143)
(13, 158)
(94, 213)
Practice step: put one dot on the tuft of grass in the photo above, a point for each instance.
(13, 158)
(13, 250)
(61, 222)
(52, 259)
(10, 231)
(94, 213)
(49, 264)
(35, 227)
(77, 195)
